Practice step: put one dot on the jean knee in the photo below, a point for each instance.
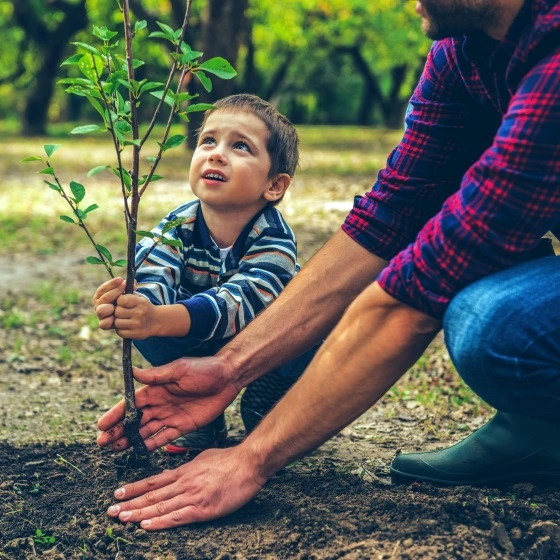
(481, 354)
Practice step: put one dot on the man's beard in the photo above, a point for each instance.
(449, 18)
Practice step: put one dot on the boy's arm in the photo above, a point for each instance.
(264, 271)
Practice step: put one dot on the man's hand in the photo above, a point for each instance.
(104, 301)
(216, 483)
(178, 398)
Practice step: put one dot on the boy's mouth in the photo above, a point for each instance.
(214, 176)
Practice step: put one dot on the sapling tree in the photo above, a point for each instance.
(108, 81)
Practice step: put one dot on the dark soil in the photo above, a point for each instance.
(58, 374)
(309, 510)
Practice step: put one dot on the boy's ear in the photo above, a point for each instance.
(277, 187)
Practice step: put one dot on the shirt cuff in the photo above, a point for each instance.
(203, 317)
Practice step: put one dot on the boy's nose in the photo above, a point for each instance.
(216, 156)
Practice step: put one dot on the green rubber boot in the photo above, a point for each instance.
(508, 449)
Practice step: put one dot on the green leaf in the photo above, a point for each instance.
(104, 251)
(136, 142)
(175, 141)
(168, 31)
(199, 107)
(82, 91)
(142, 233)
(95, 170)
(169, 99)
(67, 219)
(204, 80)
(151, 159)
(85, 129)
(78, 190)
(98, 107)
(73, 59)
(176, 222)
(77, 82)
(50, 149)
(86, 47)
(189, 56)
(149, 86)
(120, 262)
(172, 242)
(181, 97)
(139, 25)
(91, 67)
(158, 35)
(137, 63)
(219, 67)
(47, 171)
(91, 208)
(103, 33)
(54, 186)
(31, 158)
(94, 260)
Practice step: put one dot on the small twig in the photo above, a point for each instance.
(61, 459)
(81, 223)
(172, 73)
(165, 136)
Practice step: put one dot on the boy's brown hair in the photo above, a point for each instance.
(282, 142)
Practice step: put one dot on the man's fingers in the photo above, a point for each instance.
(112, 417)
(149, 491)
(162, 502)
(161, 375)
(177, 517)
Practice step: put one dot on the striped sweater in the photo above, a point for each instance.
(222, 297)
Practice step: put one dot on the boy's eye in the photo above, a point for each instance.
(242, 146)
(207, 140)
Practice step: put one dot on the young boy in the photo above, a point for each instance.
(237, 251)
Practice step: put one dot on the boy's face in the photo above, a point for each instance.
(230, 166)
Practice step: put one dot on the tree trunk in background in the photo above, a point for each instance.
(51, 42)
(391, 106)
(221, 34)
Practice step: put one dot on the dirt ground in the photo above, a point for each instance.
(337, 503)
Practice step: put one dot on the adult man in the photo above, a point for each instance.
(451, 230)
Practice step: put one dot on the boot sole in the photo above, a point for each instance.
(545, 478)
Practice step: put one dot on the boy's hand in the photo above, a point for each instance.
(104, 301)
(136, 317)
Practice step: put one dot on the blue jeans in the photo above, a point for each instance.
(503, 335)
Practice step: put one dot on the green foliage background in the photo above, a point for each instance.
(299, 54)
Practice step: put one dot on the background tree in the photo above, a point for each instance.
(48, 26)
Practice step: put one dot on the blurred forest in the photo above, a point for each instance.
(319, 61)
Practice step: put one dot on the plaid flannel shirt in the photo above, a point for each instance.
(475, 182)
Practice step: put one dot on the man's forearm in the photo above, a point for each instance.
(306, 311)
(377, 340)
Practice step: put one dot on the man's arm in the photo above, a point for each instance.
(306, 311)
(377, 340)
